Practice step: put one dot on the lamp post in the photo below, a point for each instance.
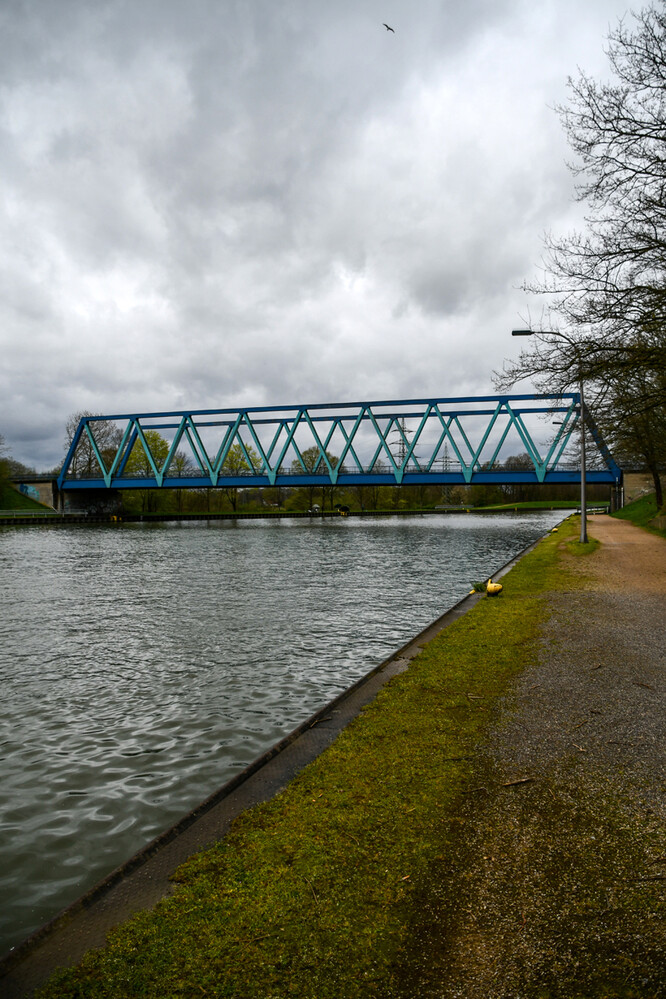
(583, 494)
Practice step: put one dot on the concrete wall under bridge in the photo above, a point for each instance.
(94, 501)
(41, 491)
(44, 489)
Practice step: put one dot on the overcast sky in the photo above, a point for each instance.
(251, 202)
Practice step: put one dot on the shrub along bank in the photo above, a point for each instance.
(315, 893)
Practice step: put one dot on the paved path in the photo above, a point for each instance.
(559, 889)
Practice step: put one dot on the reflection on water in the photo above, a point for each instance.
(143, 665)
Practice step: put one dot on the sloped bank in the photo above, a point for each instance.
(312, 893)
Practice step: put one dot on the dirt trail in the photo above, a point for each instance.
(559, 888)
(629, 560)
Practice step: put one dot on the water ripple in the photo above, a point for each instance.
(142, 667)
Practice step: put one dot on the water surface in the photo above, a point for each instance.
(143, 665)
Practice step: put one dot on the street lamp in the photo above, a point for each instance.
(583, 496)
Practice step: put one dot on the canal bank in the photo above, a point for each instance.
(145, 878)
(361, 878)
(21, 518)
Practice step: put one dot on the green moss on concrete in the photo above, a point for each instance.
(313, 894)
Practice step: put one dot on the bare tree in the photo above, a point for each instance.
(634, 425)
(107, 436)
(610, 278)
(608, 283)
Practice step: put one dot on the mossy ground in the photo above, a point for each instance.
(317, 893)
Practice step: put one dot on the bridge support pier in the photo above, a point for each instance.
(94, 501)
(58, 498)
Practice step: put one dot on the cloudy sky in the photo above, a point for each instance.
(221, 202)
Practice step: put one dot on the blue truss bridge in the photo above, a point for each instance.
(461, 441)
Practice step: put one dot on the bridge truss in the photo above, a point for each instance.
(463, 440)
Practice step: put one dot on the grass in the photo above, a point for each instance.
(11, 499)
(641, 512)
(314, 894)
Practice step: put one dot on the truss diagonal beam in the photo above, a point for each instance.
(392, 442)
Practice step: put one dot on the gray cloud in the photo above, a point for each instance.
(221, 203)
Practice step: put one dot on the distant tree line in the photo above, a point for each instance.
(8, 467)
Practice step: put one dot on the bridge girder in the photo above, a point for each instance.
(456, 441)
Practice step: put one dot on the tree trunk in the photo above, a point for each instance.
(657, 486)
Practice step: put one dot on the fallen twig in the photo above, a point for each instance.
(318, 721)
(521, 780)
(263, 936)
(314, 893)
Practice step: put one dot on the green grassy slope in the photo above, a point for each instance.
(641, 512)
(12, 499)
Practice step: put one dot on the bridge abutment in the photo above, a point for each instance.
(94, 501)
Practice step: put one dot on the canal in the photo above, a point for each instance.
(143, 665)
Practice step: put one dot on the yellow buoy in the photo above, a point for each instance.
(492, 589)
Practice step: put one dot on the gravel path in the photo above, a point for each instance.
(560, 884)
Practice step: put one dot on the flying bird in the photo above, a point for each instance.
(388, 28)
